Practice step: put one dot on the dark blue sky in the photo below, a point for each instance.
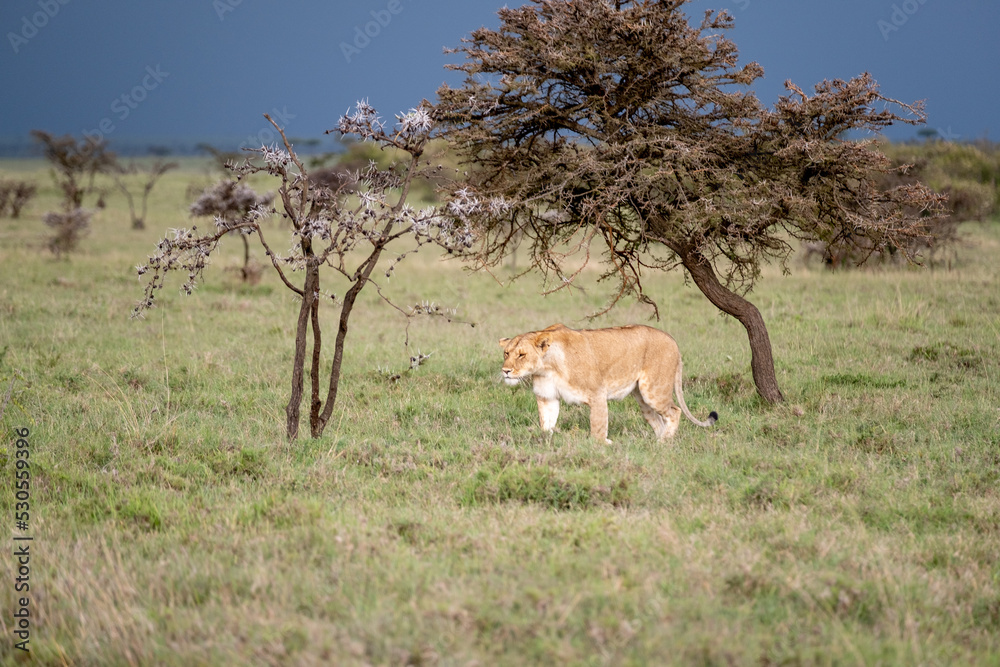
(163, 69)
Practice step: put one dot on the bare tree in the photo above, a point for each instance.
(618, 127)
(75, 164)
(124, 175)
(345, 230)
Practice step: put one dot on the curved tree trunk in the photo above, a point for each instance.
(761, 359)
(320, 420)
(360, 279)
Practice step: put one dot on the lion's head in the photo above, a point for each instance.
(523, 357)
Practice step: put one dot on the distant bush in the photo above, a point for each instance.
(968, 173)
(69, 228)
(14, 195)
(229, 199)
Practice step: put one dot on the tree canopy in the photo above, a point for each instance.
(621, 129)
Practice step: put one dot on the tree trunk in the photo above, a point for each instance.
(309, 317)
(246, 257)
(314, 404)
(301, 333)
(761, 358)
(360, 279)
(338, 360)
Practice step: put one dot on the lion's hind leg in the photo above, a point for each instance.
(663, 418)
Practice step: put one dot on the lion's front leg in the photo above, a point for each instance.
(548, 412)
(599, 418)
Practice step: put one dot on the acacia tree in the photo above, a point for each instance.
(342, 228)
(75, 164)
(74, 167)
(619, 127)
(124, 175)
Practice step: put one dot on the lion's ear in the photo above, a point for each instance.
(504, 341)
(542, 343)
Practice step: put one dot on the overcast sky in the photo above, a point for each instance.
(174, 69)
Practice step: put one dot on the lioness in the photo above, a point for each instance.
(593, 365)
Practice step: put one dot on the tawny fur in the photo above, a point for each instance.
(593, 366)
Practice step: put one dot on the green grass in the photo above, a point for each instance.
(858, 523)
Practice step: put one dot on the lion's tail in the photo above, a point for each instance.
(712, 416)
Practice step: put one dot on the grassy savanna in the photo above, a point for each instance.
(173, 523)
